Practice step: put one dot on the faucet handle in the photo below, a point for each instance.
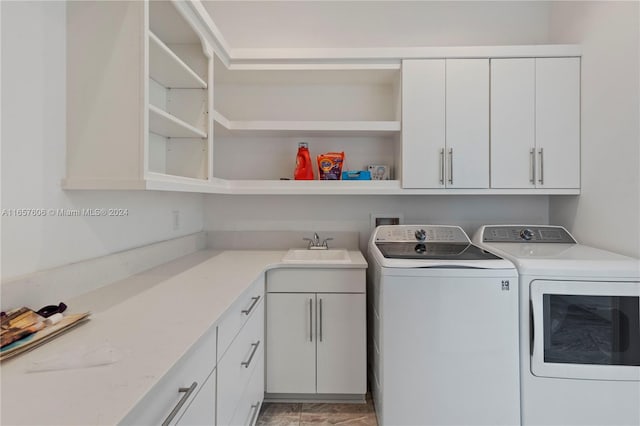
(310, 241)
(325, 241)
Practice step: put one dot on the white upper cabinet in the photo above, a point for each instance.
(423, 123)
(445, 118)
(535, 123)
(467, 129)
(558, 122)
(512, 122)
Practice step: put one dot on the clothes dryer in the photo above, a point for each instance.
(579, 326)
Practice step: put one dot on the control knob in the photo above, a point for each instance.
(421, 234)
(526, 234)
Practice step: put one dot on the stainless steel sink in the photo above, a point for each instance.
(317, 256)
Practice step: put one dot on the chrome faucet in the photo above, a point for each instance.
(314, 243)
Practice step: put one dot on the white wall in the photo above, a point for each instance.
(33, 160)
(607, 214)
(352, 213)
(273, 24)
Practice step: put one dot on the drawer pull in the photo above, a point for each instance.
(187, 393)
(253, 352)
(255, 300)
(254, 414)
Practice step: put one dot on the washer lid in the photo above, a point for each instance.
(442, 251)
(565, 260)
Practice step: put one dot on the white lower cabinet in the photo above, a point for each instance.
(241, 366)
(251, 401)
(201, 411)
(220, 380)
(316, 340)
(186, 395)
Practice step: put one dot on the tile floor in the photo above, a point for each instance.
(298, 414)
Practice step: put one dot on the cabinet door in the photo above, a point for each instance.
(423, 123)
(512, 123)
(202, 410)
(291, 343)
(467, 123)
(558, 122)
(341, 332)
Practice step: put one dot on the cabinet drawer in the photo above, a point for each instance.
(249, 406)
(245, 354)
(243, 309)
(194, 367)
(202, 409)
(316, 281)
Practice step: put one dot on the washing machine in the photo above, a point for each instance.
(443, 318)
(579, 326)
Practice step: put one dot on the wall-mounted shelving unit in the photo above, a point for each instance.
(145, 117)
(267, 110)
(193, 114)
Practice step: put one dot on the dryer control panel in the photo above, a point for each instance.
(527, 234)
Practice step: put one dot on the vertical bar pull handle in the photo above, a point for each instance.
(246, 363)
(187, 393)
(442, 166)
(254, 414)
(541, 153)
(250, 308)
(321, 320)
(451, 166)
(311, 320)
(532, 166)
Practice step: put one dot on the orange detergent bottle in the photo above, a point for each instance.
(304, 169)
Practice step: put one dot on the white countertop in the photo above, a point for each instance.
(149, 320)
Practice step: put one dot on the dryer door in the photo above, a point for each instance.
(586, 329)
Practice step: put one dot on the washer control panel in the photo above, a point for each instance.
(527, 234)
(421, 233)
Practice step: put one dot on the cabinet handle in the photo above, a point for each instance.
(321, 320)
(442, 166)
(254, 414)
(311, 320)
(187, 393)
(451, 166)
(532, 166)
(253, 352)
(541, 180)
(255, 300)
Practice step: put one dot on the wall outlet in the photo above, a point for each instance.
(176, 219)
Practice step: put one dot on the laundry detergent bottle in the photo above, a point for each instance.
(304, 168)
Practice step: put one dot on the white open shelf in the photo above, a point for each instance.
(306, 128)
(165, 124)
(168, 69)
(319, 187)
